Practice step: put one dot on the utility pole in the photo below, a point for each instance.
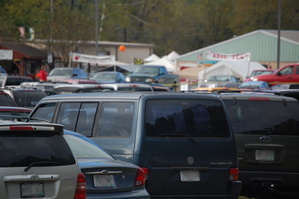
(97, 25)
(278, 33)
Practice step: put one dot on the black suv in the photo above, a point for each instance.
(266, 129)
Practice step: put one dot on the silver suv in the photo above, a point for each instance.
(37, 162)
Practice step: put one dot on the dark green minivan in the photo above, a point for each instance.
(183, 141)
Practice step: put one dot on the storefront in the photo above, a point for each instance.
(21, 59)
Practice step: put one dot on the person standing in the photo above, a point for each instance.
(42, 74)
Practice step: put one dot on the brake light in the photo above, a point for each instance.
(234, 174)
(259, 99)
(140, 178)
(80, 192)
(21, 128)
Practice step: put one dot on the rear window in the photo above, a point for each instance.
(264, 117)
(185, 118)
(6, 100)
(28, 99)
(20, 149)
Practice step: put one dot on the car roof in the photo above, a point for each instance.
(256, 96)
(125, 95)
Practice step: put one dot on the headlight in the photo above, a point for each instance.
(149, 80)
(128, 79)
(255, 79)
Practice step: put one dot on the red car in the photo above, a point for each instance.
(288, 74)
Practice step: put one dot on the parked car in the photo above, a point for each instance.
(266, 131)
(37, 162)
(286, 74)
(105, 176)
(286, 92)
(254, 85)
(58, 74)
(13, 111)
(285, 86)
(109, 77)
(27, 98)
(6, 99)
(183, 141)
(229, 81)
(259, 72)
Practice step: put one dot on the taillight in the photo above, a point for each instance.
(21, 128)
(234, 174)
(80, 187)
(140, 178)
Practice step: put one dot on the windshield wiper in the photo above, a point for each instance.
(40, 163)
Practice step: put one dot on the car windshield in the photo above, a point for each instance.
(219, 78)
(147, 70)
(264, 117)
(19, 148)
(61, 72)
(83, 149)
(105, 77)
(28, 99)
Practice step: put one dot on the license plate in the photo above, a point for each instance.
(104, 181)
(264, 155)
(32, 190)
(189, 175)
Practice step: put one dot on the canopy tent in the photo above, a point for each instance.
(171, 67)
(190, 72)
(172, 56)
(151, 58)
(240, 69)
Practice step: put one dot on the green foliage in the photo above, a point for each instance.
(180, 25)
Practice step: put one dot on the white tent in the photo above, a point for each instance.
(153, 57)
(172, 56)
(171, 67)
(240, 69)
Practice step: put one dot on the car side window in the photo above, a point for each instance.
(78, 117)
(45, 111)
(116, 119)
(287, 71)
(297, 70)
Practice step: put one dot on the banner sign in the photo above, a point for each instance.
(93, 59)
(6, 54)
(229, 57)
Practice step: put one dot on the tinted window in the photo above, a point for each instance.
(264, 117)
(183, 118)
(44, 111)
(115, 119)
(23, 148)
(6, 100)
(28, 99)
(78, 117)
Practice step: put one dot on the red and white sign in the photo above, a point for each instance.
(92, 59)
(229, 57)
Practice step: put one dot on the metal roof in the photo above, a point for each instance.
(27, 51)
(262, 44)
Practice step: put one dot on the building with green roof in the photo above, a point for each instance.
(261, 44)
